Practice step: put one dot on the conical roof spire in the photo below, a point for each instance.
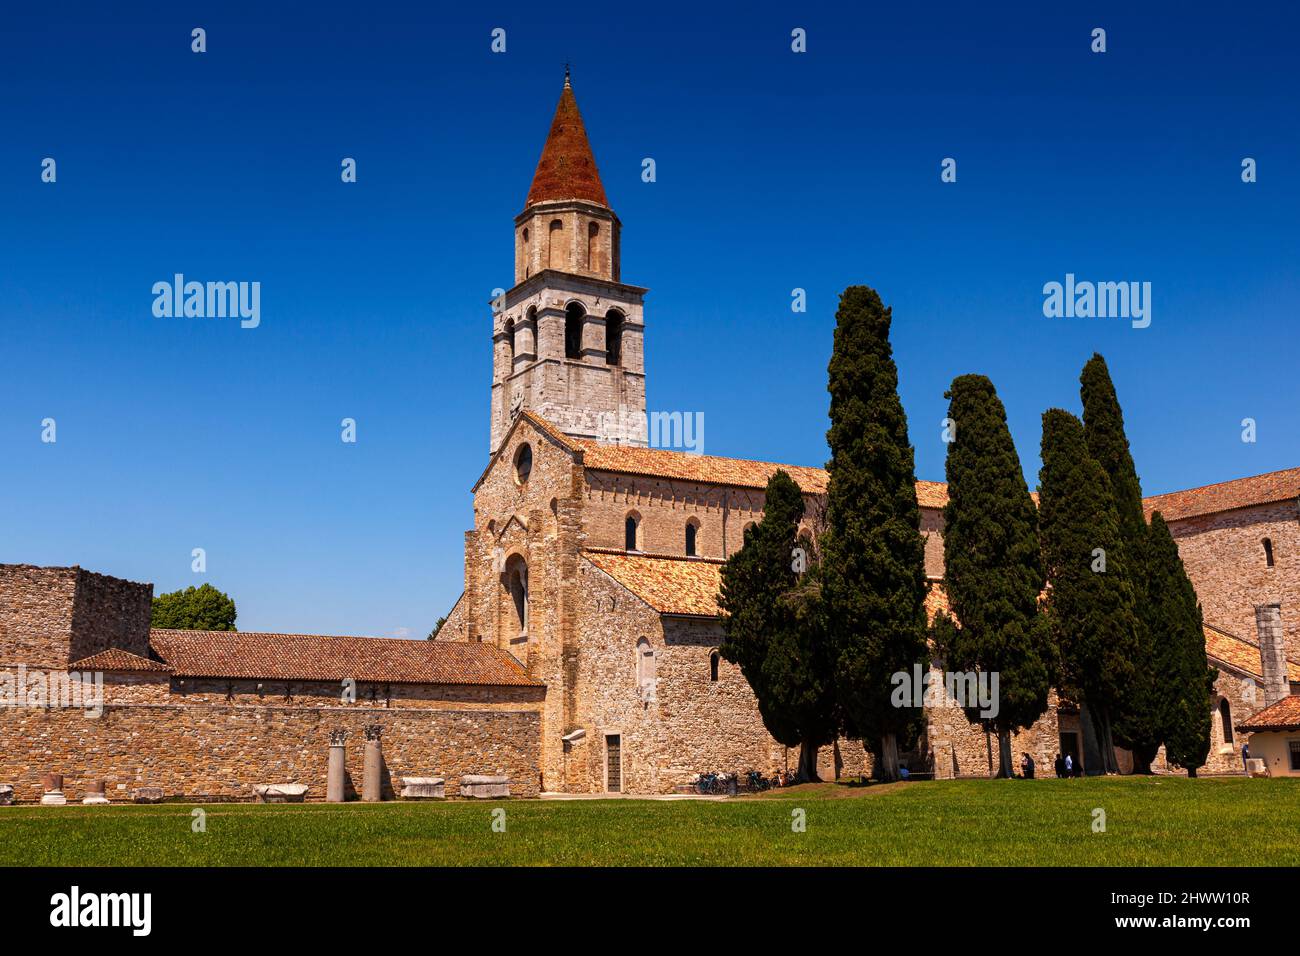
(567, 169)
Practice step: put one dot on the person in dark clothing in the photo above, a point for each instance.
(1028, 766)
(1059, 766)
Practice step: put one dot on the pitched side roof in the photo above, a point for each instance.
(567, 168)
(714, 470)
(315, 657)
(116, 659)
(669, 585)
(1241, 654)
(1284, 715)
(1226, 495)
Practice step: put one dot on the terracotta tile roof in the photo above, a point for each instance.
(309, 657)
(1226, 495)
(936, 600)
(116, 659)
(711, 469)
(567, 168)
(1240, 653)
(670, 585)
(1284, 715)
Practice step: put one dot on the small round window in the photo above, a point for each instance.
(523, 463)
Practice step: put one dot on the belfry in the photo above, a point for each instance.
(568, 337)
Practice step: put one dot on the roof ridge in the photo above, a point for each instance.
(621, 552)
(691, 454)
(1226, 481)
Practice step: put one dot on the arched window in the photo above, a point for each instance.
(632, 533)
(593, 251)
(692, 528)
(555, 246)
(714, 658)
(1225, 716)
(1268, 552)
(510, 345)
(523, 463)
(573, 317)
(645, 670)
(516, 582)
(614, 337)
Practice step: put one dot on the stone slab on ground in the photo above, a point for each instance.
(484, 787)
(147, 795)
(280, 792)
(424, 788)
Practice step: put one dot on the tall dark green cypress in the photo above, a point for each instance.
(770, 632)
(1140, 720)
(1187, 687)
(993, 568)
(1091, 611)
(873, 563)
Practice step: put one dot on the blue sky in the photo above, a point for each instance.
(776, 170)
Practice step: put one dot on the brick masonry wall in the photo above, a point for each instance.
(50, 617)
(109, 612)
(36, 606)
(689, 723)
(1224, 555)
(201, 751)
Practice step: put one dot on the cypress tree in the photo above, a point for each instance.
(1140, 720)
(1090, 610)
(873, 561)
(993, 567)
(1188, 681)
(770, 630)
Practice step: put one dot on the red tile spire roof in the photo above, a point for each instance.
(567, 169)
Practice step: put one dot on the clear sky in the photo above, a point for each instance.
(775, 170)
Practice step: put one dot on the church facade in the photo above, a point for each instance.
(582, 656)
(595, 559)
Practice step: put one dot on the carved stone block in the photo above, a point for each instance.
(484, 787)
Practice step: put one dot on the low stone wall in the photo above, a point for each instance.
(200, 751)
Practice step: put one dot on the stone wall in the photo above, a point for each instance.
(204, 751)
(683, 722)
(50, 617)
(1224, 556)
(36, 615)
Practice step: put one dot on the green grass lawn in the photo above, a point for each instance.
(1149, 821)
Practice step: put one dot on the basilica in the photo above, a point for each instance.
(582, 656)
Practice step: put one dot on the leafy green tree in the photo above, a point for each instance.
(195, 609)
(1140, 719)
(993, 569)
(873, 561)
(771, 628)
(1091, 610)
(1188, 681)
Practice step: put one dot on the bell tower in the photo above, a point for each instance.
(568, 337)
